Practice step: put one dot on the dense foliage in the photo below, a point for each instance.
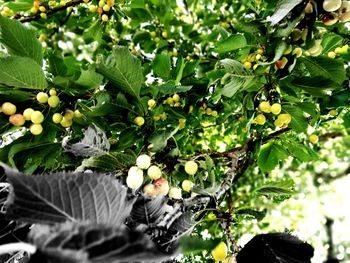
(193, 105)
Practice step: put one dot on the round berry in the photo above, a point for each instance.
(17, 119)
(36, 129)
(37, 117)
(151, 103)
(175, 193)
(53, 92)
(333, 113)
(154, 172)
(150, 190)
(65, 123)
(143, 161)
(8, 108)
(276, 108)
(153, 34)
(139, 121)
(285, 118)
(219, 253)
(187, 185)
(162, 186)
(57, 118)
(104, 18)
(69, 114)
(42, 97)
(260, 119)
(77, 114)
(135, 177)
(191, 167)
(313, 138)
(27, 113)
(265, 106)
(53, 101)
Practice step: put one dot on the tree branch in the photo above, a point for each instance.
(37, 16)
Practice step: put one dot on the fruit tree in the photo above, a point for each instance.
(157, 130)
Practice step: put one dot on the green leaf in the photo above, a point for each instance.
(282, 10)
(346, 120)
(195, 245)
(325, 67)
(162, 65)
(231, 43)
(21, 72)
(19, 40)
(160, 139)
(89, 78)
(299, 122)
(268, 158)
(167, 89)
(237, 77)
(301, 152)
(275, 188)
(330, 41)
(123, 70)
(316, 86)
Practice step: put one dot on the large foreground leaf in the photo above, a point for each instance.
(123, 70)
(276, 248)
(21, 72)
(81, 242)
(94, 143)
(282, 9)
(19, 40)
(60, 197)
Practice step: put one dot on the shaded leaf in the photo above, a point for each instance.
(96, 243)
(160, 139)
(94, 143)
(231, 43)
(299, 122)
(60, 197)
(19, 40)
(276, 247)
(162, 65)
(273, 188)
(192, 244)
(148, 210)
(21, 72)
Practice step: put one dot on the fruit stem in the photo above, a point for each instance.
(14, 247)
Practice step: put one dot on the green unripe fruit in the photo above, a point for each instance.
(69, 114)
(65, 123)
(36, 129)
(53, 92)
(187, 185)
(57, 118)
(77, 114)
(37, 117)
(191, 167)
(42, 97)
(53, 101)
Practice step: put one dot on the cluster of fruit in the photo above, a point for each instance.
(173, 101)
(6, 11)
(338, 50)
(18, 119)
(156, 38)
(159, 185)
(66, 119)
(204, 109)
(252, 58)
(337, 10)
(281, 121)
(102, 9)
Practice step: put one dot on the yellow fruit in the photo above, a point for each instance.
(53, 92)
(57, 118)
(260, 119)
(69, 114)
(176, 97)
(331, 54)
(278, 123)
(43, 15)
(151, 104)
(191, 167)
(247, 64)
(214, 113)
(187, 185)
(36, 129)
(182, 123)
(42, 9)
(143, 161)
(65, 123)
(276, 108)
(104, 18)
(42, 97)
(17, 119)
(162, 186)
(333, 113)
(27, 113)
(8, 108)
(150, 190)
(175, 193)
(139, 121)
(219, 253)
(156, 117)
(331, 5)
(92, 8)
(77, 114)
(313, 138)
(101, 3)
(157, 39)
(297, 52)
(265, 106)
(53, 101)
(164, 34)
(34, 10)
(37, 117)
(154, 172)
(135, 177)
(153, 34)
(285, 118)
(106, 8)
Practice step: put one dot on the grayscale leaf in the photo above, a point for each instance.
(95, 243)
(61, 197)
(94, 143)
